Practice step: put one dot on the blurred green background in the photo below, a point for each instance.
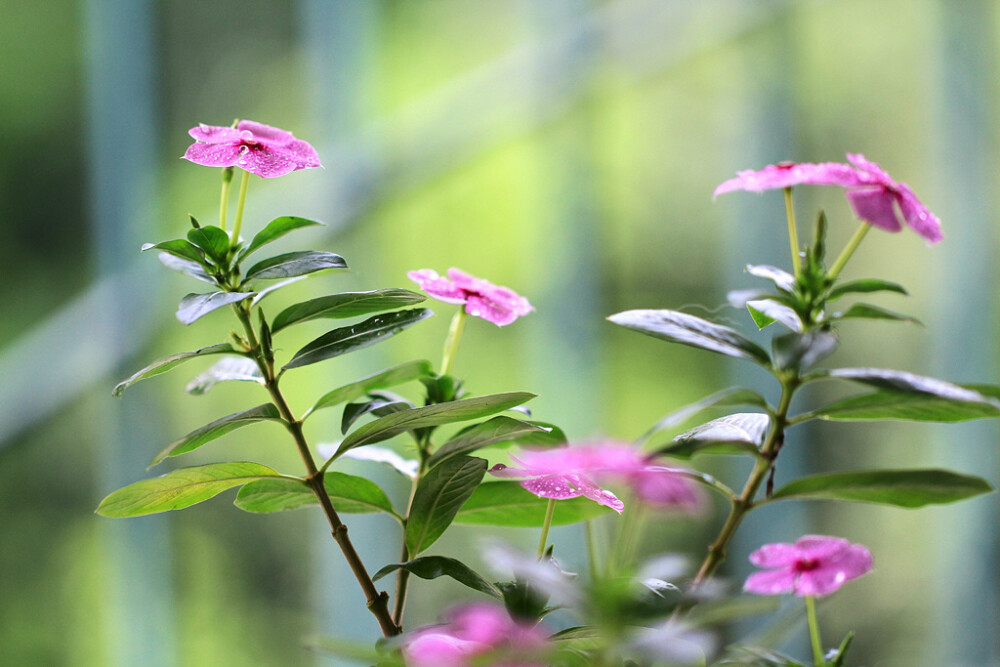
(566, 148)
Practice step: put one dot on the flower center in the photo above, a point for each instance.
(806, 564)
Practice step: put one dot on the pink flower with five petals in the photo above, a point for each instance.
(259, 149)
(815, 565)
(499, 305)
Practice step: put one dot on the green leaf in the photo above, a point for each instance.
(432, 567)
(802, 350)
(376, 454)
(865, 286)
(228, 369)
(348, 339)
(900, 488)
(548, 435)
(766, 311)
(507, 503)
(274, 287)
(275, 230)
(498, 429)
(908, 383)
(431, 415)
(438, 497)
(213, 241)
(733, 434)
(218, 428)
(192, 269)
(782, 279)
(180, 248)
(166, 363)
(293, 264)
(347, 304)
(195, 306)
(910, 407)
(730, 396)
(759, 318)
(388, 378)
(687, 329)
(380, 406)
(181, 488)
(868, 311)
(350, 494)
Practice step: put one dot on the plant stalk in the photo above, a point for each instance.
(550, 510)
(240, 203)
(451, 342)
(227, 179)
(793, 233)
(814, 638)
(849, 249)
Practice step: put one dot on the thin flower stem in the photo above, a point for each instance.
(240, 203)
(451, 342)
(817, 643)
(403, 575)
(227, 180)
(849, 249)
(550, 509)
(793, 234)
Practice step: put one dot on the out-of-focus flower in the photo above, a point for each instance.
(568, 472)
(499, 305)
(815, 565)
(259, 149)
(788, 174)
(472, 631)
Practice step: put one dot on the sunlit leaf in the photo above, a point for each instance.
(166, 363)
(349, 494)
(782, 279)
(376, 454)
(909, 383)
(730, 396)
(180, 248)
(773, 311)
(194, 306)
(228, 369)
(432, 567)
(900, 488)
(213, 241)
(347, 304)
(355, 337)
(507, 503)
(218, 428)
(380, 405)
(738, 433)
(910, 407)
(275, 230)
(388, 378)
(438, 497)
(293, 264)
(497, 429)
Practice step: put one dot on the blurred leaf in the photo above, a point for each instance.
(438, 497)
(379, 405)
(355, 337)
(901, 488)
(388, 378)
(432, 567)
(181, 488)
(910, 407)
(347, 304)
(431, 415)
(350, 494)
(275, 230)
(507, 503)
(713, 612)
(730, 396)
(194, 306)
(908, 383)
(218, 428)
(376, 454)
(180, 248)
(184, 266)
(548, 435)
(733, 434)
(837, 660)
(274, 287)
(802, 350)
(213, 241)
(864, 286)
(766, 311)
(868, 311)
(498, 429)
(166, 363)
(228, 369)
(782, 279)
(687, 329)
(293, 264)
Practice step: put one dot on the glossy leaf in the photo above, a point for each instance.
(507, 503)
(380, 405)
(213, 241)
(274, 287)
(900, 488)
(865, 286)
(498, 429)
(350, 494)
(293, 264)
(868, 311)
(910, 407)
(192, 269)
(909, 383)
(432, 415)
(388, 378)
(275, 230)
(180, 248)
(347, 304)
(738, 433)
(782, 279)
(218, 428)
(766, 311)
(730, 396)
(228, 369)
(687, 329)
(432, 567)
(355, 337)
(548, 435)
(166, 363)
(438, 497)
(801, 351)
(195, 306)
(181, 488)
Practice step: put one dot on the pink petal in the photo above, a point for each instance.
(871, 171)
(489, 310)
(770, 583)
(656, 484)
(597, 494)
(917, 216)
(214, 134)
(440, 288)
(437, 648)
(556, 487)
(786, 175)
(266, 132)
(875, 205)
(213, 155)
(775, 555)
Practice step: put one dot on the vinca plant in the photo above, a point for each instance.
(629, 608)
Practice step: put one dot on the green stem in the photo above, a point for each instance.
(793, 234)
(403, 575)
(549, 511)
(451, 342)
(849, 249)
(227, 179)
(817, 643)
(241, 202)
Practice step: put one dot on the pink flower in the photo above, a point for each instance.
(815, 565)
(254, 147)
(499, 305)
(568, 472)
(787, 174)
(472, 631)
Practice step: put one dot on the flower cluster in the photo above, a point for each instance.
(815, 565)
(499, 305)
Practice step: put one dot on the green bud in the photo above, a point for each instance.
(227, 174)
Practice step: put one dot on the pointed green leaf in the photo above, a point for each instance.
(275, 230)
(910, 407)
(192, 269)
(180, 248)
(347, 304)
(166, 363)
(195, 306)
(380, 406)
(868, 311)
(774, 311)
(900, 488)
(498, 429)
(213, 241)
(432, 415)
(388, 378)
(782, 279)
(730, 396)
(687, 329)
(218, 428)
(507, 503)
(293, 264)
(228, 369)
(733, 434)
(438, 497)
(909, 383)
(350, 494)
(432, 567)
(348, 339)
(181, 488)
(274, 287)
(865, 286)
(760, 319)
